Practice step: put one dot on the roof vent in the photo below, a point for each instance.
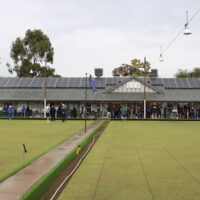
(153, 73)
(98, 72)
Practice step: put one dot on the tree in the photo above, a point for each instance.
(183, 73)
(31, 55)
(195, 73)
(137, 68)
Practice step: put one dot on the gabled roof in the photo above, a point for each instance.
(142, 81)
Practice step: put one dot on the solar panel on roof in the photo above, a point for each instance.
(152, 81)
(197, 82)
(169, 83)
(191, 82)
(159, 81)
(21, 82)
(48, 81)
(6, 83)
(2, 80)
(41, 82)
(71, 82)
(178, 83)
(33, 82)
(82, 83)
(77, 82)
(109, 81)
(103, 83)
(65, 82)
(185, 83)
(172, 83)
(116, 80)
(165, 83)
(59, 82)
(13, 82)
(55, 82)
(100, 82)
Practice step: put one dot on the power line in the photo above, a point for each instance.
(194, 15)
(177, 35)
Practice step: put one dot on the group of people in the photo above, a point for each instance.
(50, 111)
(153, 111)
(21, 111)
(187, 111)
(61, 111)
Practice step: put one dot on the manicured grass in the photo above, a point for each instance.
(141, 160)
(37, 135)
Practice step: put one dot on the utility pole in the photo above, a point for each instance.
(85, 102)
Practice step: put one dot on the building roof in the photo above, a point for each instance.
(73, 89)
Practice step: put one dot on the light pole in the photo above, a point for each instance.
(145, 96)
(187, 29)
(85, 102)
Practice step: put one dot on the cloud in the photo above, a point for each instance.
(87, 34)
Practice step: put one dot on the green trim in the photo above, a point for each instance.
(39, 188)
(42, 118)
(167, 119)
(38, 156)
(115, 119)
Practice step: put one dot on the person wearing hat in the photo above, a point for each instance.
(10, 112)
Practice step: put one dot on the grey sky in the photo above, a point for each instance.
(105, 33)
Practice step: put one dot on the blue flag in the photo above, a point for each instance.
(92, 84)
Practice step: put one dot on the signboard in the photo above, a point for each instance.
(133, 85)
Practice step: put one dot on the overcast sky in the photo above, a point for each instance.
(88, 34)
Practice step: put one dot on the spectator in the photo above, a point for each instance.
(52, 113)
(47, 111)
(63, 113)
(124, 113)
(74, 113)
(149, 111)
(108, 113)
(154, 111)
(10, 112)
(27, 111)
(19, 112)
(23, 111)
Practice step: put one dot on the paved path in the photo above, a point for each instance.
(15, 186)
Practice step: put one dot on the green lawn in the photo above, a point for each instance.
(38, 136)
(140, 160)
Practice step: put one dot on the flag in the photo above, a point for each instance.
(92, 84)
(24, 147)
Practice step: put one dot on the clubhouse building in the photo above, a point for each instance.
(171, 96)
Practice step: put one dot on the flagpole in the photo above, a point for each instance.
(85, 101)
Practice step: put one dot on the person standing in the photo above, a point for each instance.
(124, 113)
(10, 112)
(53, 113)
(27, 111)
(47, 110)
(63, 113)
(108, 113)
